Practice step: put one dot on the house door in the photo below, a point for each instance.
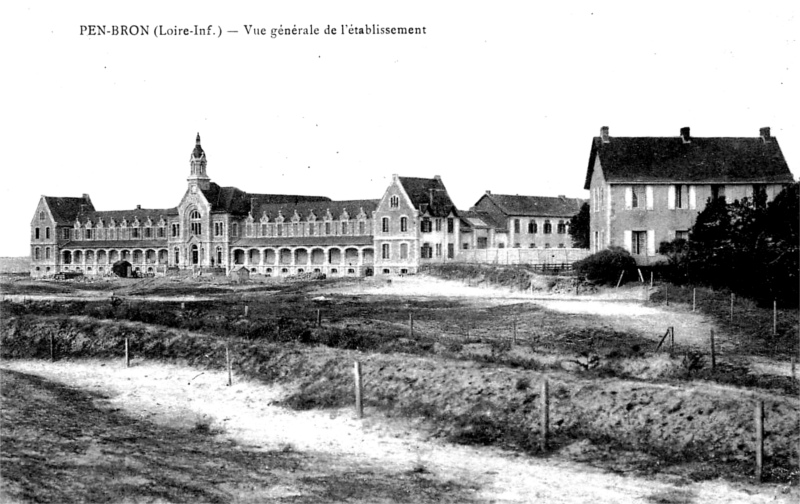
(195, 255)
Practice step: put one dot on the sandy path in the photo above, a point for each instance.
(180, 396)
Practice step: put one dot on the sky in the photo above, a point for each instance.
(500, 96)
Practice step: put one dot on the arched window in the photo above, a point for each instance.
(394, 201)
(548, 228)
(385, 224)
(385, 251)
(562, 227)
(47, 233)
(532, 227)
(36, 253)
(219, 256)
(404, 251)
(47, 253)
(403, 224)
(196, 225)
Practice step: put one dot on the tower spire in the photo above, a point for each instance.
(197, 162)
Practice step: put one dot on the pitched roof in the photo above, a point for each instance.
(236, 201)
(670, 159)
(65, 210)
(477, 219)
(304, 241)
(536, 206)
(428, 195)
(319, 208)
(155, 214)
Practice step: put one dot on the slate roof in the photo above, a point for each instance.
(303, 241)
(536, 206)
(423, 190)
(238, 202)
(65, 210)
(319, 208)
(155, 214)
(116, 244)
(703, 160)
(477, 219)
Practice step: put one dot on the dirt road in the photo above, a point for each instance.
(183, 397)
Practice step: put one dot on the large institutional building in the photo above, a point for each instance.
(223, 229)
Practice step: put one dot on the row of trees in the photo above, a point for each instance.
(748, 246)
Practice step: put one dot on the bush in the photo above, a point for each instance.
(607, 265)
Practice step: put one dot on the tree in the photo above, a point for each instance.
(579, 227)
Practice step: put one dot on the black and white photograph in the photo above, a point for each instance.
(400, 252)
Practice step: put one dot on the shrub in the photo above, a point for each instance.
(607, 265)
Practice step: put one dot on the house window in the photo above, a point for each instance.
(759, 195)
(88, 234)
(546, 245)
(562, 227)
(148, 232)
(361, 227)
(403, 224)
(161, 232)
(41, 216)
(176, 230)
(279, 228)
(327, 228)
(311, 229)
(450, 225)
(47, 253)
(516, 225)
(196, 225)
(134, 232)
(438, 250)
(548, 228)
(177, 255)
(404, 251)
(36, 233)
(438, 224)
(718, 191)
(394, 201)
(36, 253)
(639, 242)
(681, 196)
(235, 229)
(483, 242)
(682, 234)
(532, 245)
(451, 251)
(47, 229)
(385, 251)
(385, 225)
(425, 225)
(426, 252)
(344, 228)
(636, 196)
(65, 234)
(532, 227)
(294, 229)
(516, 245)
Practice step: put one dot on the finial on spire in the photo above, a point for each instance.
(198, 138)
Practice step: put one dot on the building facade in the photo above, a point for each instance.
(645, 190)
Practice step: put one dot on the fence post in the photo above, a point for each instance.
(666, 293)
(694, 298)
(759, 440)
(359, 389)
(545, 414)
(319, 317)
(731, 319)
(671, 340)
(127, 354)
(228, 364)
(411, 325)
(713, 352)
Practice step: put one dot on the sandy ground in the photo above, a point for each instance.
(182, 396)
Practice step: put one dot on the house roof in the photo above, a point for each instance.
(428, 195)
(477, 219)
(238, 202)
(142, 214)
(116, 244)
(65, 210)
(319, 209)
(670, 159)
(536, 206)
(303, 241)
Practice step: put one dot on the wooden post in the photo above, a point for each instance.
(620, 278)
(545, 415)
(228, 364)
(713, 352)
(127, 354)
(774, 317)
(410, 325)
(671, 340)
(319, 317)
(53, 348)
(359, 390)
(694, 299)
(651, 279)
(666, 293)
(759, 440)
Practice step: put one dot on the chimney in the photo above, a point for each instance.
(138, 207)
(604, 134)
(85, 197)
(437, 177)
(685, 135)
(765, 134)
(488, 191)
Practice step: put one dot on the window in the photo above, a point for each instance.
(680, 198)
(425, 225)
(639, 242)
(404, 251)
(385, 251)
(682, 234)
(328, 228)
(517, 245)
(263, 230)
(41, 216)
(88, 234)
(532, 227)
(361, 227)
(65, 234)
(403, 224)
(438, 250)
(451, 251)
(148, 232)
(516, 225)
(279, 228)
(176, 230)
(548, 228)
(426, 252)
(483, 242)
(134, 232)
(36, 233)
(718, 191)
(161, 232)
(635, 195)
(344, 228)
(218, 229)
(177, 255)
(759, 195)
(394, 201)
(385, 225)
(546, 245)
(450, 225)
(438, 224)
(219, 256)
(562, 227)
(532, 245)
(47, 229)
(36, 253)
(196, 225)
(294, 229)
(311, 229)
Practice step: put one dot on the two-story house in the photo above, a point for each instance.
(647, 190)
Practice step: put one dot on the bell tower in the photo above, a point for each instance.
(197, 176)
